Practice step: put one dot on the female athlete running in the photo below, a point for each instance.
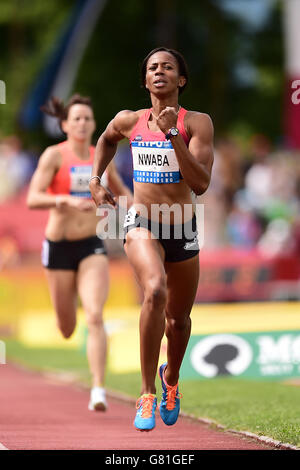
(172, 152)
(74, 257)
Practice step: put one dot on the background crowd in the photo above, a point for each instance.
(236, 76)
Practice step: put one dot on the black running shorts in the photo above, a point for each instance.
(180, 241)
(67, 254)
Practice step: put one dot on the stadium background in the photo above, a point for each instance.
(244, 59)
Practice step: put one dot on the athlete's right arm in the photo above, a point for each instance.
(106, 147)
(49, 163)
(37, 197)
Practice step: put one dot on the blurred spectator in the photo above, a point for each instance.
(258, 185)
(16, 167)
(218, 199)
(259, 148)
(277, 239)
(243, 227)
(227, 169)
(253, 198)
(271, 187)
(296, 235)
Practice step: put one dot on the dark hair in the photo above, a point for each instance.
(183, 69)
(55, 107)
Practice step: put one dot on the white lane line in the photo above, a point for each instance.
(2, 447)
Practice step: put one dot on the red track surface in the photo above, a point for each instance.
(39, 414)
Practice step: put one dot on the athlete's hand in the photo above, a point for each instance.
(101, 196)
(167, 118)
(79, 203)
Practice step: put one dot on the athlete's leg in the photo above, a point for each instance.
(63, 293)
(146, 257)
(93, 286)
(182, 282)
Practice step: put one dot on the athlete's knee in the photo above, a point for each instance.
(94, 320)
(156, 293)
(178, 324)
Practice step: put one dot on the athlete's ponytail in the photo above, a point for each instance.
(56, 108)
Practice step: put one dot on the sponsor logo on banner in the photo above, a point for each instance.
(221, 355)
(266, 355)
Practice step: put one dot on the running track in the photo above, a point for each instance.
(39, 414)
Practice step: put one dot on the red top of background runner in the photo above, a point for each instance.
(61, 181)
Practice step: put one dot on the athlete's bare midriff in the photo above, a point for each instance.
(70, 224)
(161, 201)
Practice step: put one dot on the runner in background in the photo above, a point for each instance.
(74, 258)
(172, 151)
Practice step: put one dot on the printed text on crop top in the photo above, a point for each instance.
(154, 159)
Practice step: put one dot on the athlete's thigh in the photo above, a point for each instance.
(93, 282)
(146, 256)
(182, 283)
(63, 292)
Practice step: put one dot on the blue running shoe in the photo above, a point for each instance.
(145, 415)
(170, 404)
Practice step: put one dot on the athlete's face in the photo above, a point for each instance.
(80, 123)
(162, 73)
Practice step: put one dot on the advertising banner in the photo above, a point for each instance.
(260, 355)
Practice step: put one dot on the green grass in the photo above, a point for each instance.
(264, 408)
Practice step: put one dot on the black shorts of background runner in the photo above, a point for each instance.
(67, 254)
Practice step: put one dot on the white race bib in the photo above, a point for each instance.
(155, 162)
(79, 180)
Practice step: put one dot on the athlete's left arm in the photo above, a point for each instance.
(196, 160)
(116, 184)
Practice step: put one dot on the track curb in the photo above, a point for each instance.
(250, 435)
